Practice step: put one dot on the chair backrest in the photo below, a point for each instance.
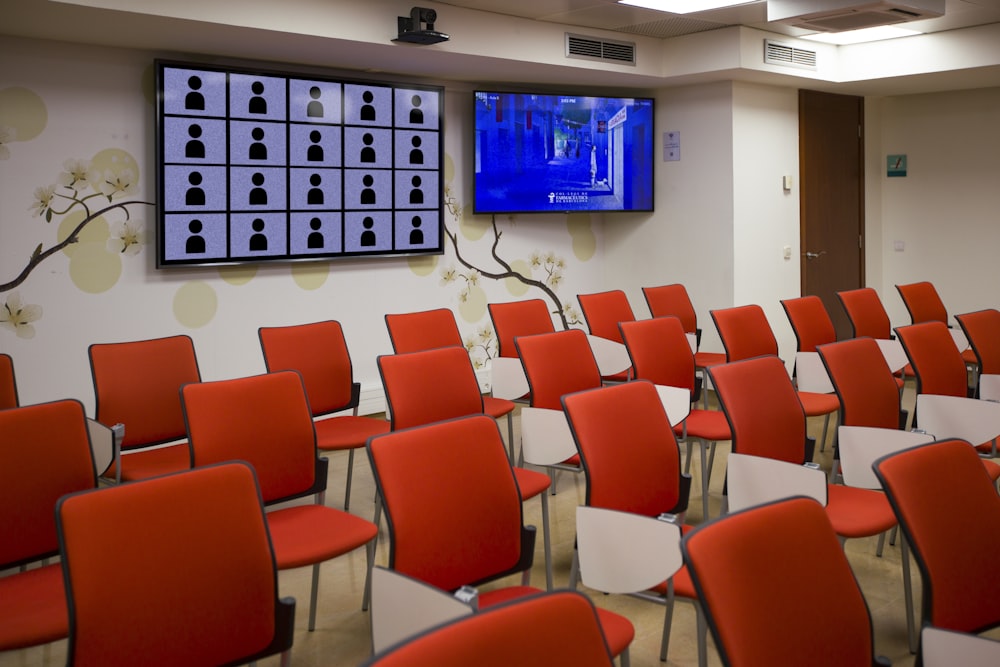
(318, 351)
(867, 314)
(422, 330)
(519, 318)
(556, 364)
(748, 569)
(869, 395)
(982, 328)
(632, 465)
(949, 512)
(262, 419)
(936, 361)
(923, 302)
(660, 352)
(672, 300)
(44, 454)
(8, 385)
(810, 322)
(745, 332)
(451, 502)
(529, 632)
(764, 412)
(194, 557)
(429, 386)
(603, 311)
(138, 384)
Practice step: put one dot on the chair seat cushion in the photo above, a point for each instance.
(147, 463)
(710, 425)
(531, 482)
(815, 404)
(992, 468)
(683, 586)
(308, 534)
(347, 431)
(497, 407)
(856, 512)
(33, 610)
(706, 359)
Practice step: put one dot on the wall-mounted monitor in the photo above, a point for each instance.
(256, 165)
(537, 153)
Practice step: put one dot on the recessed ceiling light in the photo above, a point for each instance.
(683, 6)
(875, 34)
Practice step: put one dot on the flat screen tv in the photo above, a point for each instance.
(537, 153)
(255, 165)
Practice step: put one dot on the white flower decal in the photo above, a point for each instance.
(43, 200)
(127, 237)
(17, 317)
(7, 135)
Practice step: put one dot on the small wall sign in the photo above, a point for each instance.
(895, 166)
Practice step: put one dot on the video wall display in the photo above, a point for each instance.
(257, 166)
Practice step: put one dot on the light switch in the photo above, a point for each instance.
(786, 182)
(787, 252)
(898, 246)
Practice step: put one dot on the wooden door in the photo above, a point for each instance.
(831, 198)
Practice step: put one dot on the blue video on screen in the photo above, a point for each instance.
(537, 153)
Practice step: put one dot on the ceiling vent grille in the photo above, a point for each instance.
(776, 53)
(606, 50)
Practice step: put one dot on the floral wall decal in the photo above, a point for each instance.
(17, 316)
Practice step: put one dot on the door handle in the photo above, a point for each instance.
(813, 255)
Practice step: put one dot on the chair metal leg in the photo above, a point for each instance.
(702, 637)
(826, 427)
(668, 616)
(286, 658)
(623, 659)
(704, 481)
(892, 535)
(510, 435)
(313, 594)
(350, 470)
(574, 570)
(546, 541)
(881, 545)
(911, 631)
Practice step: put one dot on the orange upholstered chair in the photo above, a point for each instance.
(192, 557)
(602, 312)
(8, 385)
(558, 629)
(810, 322)
(137, 384)
(924, 304)
(440, 384)
(519, 318)
(949, 512)
(982, 328)
(451, 528)
(674, 300)
(660, 354)
(318, 351)
(755, 573)
(429, 329)
(44, 454)
(869, 318)
(632, 465)
(746, 333)
(265, 421)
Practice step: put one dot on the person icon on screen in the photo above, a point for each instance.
(367, 109)
(368, 236)
(258, 195)
(258, 149)
(315, 194)
(416, 113)
(315, 239)
(195, 196)
(195, 148)
(416, 155)
(194, 100)
(593, 166)
(416, 194)
(195, 243)
(315, 151)
(315, 108)
(257, 104)
(258, 241)
(416, 234)
(368, 153)
(368, 194)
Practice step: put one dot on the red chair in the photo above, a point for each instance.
(559, 629)
(265, 420)
(8, 385)
(44, 455)
(318, 351)
(429, 329)
(755, 573)
(603, 311)
(451, 528)
(866, 313)
(746, 333)
(924, 304)
(954, 532)
(673, 300)
(660, 354)
(137, 384)
(519, 318)
(194, 560)
(810, 322)
(982, 329)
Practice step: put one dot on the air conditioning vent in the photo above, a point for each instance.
(607, 50)
(840, 15)
(776, 53)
